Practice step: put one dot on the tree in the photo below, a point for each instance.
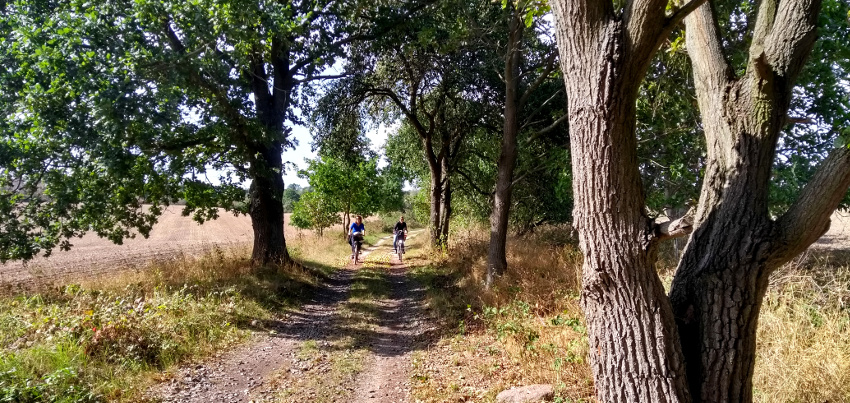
(521, 80)
(422, 76)
(108, 104)
(315, 212)
(291, 196)
(604, 53)
(347, 187)
(699, 343)
(736, 244)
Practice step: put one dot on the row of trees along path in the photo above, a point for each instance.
(94, 112)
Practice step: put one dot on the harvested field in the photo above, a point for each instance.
(173, 235)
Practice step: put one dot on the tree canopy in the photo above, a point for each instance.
(110, 105)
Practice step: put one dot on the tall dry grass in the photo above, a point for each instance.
(531, 322)
(803, 352)
(528, 328)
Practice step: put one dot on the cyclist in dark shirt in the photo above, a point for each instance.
(400, 229)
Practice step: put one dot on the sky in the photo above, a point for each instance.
(377, 139)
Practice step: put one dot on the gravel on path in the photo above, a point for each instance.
(246, 373)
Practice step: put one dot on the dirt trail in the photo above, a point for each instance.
(400, 325)
(252, 372)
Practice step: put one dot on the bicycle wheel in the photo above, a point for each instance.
(357, 253)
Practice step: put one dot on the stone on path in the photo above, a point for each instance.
(531, 393)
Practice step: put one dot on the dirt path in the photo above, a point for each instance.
(324, 351)
(397, 334)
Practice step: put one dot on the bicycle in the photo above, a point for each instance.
(356, 246)
(400, 244)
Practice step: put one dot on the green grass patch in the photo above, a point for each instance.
(105, 340)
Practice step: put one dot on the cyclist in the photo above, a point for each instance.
(399, 230)
(356, 230)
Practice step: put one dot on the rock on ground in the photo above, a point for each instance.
(531, 393)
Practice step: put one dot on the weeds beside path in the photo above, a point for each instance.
(352, 342)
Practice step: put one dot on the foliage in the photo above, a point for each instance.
(314, 211)
(96, 342)
(106, 105)
(820, 111)
(291, 196)
(671, 145)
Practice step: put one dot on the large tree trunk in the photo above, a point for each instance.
(497, 261)
(266, 208)
(722, 278)
(266, 193)
(634, 345)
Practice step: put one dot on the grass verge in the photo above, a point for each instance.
(106, 339)
(530, 328)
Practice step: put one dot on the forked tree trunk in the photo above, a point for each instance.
(266, 209)
(496, 256)
(718, 289)
(723, 275)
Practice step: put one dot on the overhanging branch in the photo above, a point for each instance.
(809, 217)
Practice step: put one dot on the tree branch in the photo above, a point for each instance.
(809, 217)
(549, 128)
(679, 15)
(676, 228)
(712, 72)
(645, 22)
(229, 112)
(551, 65)
(763, 25)
(322, 77)
(282, 89)
(539, 108)
(792, 38)
(472, 184)
(173, 39)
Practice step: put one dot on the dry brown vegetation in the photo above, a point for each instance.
(530, 328)
(172, 239)
(108, 337)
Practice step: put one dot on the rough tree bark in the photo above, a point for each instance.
(496, 256)
(723, 275)
(266, 192)
(266, 209)
(634, 345)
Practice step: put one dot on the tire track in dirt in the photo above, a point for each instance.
(241, 374)
(247, 373)
(400, 330)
